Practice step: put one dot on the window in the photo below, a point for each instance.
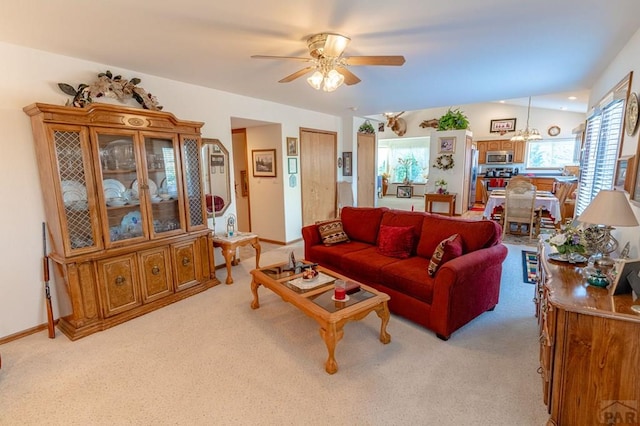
(415, 155)
(600, 152)
(551, 153)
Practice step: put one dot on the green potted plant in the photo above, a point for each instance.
(366, 127)
(454, 119)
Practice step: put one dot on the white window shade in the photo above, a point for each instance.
(600, 152)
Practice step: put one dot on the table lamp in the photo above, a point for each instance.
(608, 209)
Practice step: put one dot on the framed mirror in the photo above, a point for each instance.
(216, 179)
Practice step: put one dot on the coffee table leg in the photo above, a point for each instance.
(331, 337)
(228, 257)
(383, 313)
(254, 289)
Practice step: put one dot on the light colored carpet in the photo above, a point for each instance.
(211, 359)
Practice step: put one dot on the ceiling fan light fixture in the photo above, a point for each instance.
(315, 80)
(332, 81)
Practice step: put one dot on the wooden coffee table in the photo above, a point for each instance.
(318, 303)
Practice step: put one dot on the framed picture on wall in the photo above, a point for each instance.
(264, 162)
(346, 164)
(622, 171)
(244, 183)
(447, 145)
(292, 165)
(292, 146)
(503, 125)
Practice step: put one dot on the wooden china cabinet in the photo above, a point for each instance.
(125, 209)
(589, 348)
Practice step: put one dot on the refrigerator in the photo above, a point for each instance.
(473, 177)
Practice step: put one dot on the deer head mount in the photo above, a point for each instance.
(397, 124)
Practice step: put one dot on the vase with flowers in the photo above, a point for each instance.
(570, 244)
(441, 186)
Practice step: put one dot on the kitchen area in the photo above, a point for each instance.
(501, 160)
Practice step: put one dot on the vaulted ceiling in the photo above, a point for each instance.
(457, 52)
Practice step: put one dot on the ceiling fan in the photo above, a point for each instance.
(330, 65)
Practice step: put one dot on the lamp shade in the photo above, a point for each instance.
(609, 208)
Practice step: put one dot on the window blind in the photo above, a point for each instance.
(600, 152)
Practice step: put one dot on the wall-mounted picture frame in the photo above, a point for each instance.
(346, 164)
(404, 191)
(292, 146)
(634, 180)
(264, 162)
(292, 165)
(447, 145)
(244, 183)
(503, 125)
(621, 180)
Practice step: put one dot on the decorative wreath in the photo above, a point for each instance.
(444, 162)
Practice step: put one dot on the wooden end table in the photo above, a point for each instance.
(431, 197)
(228, 245)
(318, 304)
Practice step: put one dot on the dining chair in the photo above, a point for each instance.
(563, 191)
(519, 208)
(520, 178)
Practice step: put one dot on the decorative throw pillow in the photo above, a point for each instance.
(395, 241)
(331, 232)
(448, 249)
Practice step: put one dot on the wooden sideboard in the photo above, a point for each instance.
(589, 348)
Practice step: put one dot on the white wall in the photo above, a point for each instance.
(31, 76)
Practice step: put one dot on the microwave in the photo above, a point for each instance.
(499, 157)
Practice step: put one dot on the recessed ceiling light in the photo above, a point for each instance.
(563, 108)
(572, 98)
(353, 108)
(501, 102)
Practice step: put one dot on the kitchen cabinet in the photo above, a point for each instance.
(125, 210)
(518, 149)
(589, 348)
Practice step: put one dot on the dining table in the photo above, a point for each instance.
(544, 199)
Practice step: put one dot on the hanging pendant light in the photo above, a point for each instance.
(527, 134)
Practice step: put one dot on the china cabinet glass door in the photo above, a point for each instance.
(121, 194)
(163, 176)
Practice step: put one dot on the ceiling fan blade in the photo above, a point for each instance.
(374, 60)
(295, 58)
(296, 74)
(349, 77)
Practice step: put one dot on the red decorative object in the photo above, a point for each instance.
(395, 241)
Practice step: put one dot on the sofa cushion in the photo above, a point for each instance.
(395, 241)
(331, 256)
(362, 223)
(448, 249)
(331, 232)
(365, 264)
(410, 277)
(475, 234)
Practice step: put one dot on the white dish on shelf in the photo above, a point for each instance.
(132, 221)
(153, 188)
(73, 191)
(116, 202)
(113, 188)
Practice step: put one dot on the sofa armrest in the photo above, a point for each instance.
(465, 287)
(311, 237)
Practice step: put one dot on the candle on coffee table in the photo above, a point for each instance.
(340, 291)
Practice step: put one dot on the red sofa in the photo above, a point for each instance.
(462, 288)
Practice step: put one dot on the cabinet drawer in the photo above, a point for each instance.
(186, 261)
(118, 284)
(155, 274)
